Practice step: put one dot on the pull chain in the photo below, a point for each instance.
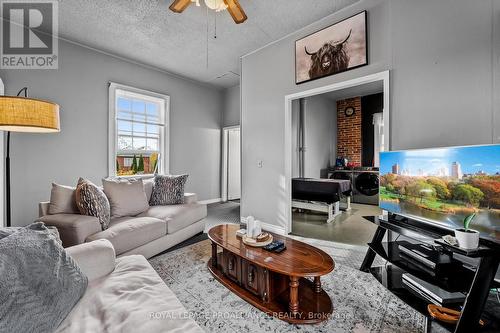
(207, 36)
(215, 25)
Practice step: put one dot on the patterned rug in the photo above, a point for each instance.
(361, 304)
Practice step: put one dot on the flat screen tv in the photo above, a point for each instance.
(443, 185)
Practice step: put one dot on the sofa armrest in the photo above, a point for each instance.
(73, 228)
(43, 208)
(96, 259)
(190, 198)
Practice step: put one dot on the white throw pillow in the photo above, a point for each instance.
(62, 200)
(126, 196)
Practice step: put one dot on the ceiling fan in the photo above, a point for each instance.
(233, 7)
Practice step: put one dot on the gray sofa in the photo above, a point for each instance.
(149, 233)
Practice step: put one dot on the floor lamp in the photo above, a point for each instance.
(23, 114)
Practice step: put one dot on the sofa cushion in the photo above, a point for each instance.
(126, 196)
(95, 259)
(62, 200)
(133, 298)
(73, 228)
(126, 233)
(168, 190)
(177, 216)
(92, 201)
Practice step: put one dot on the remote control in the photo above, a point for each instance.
(273, 245)
(280, 249)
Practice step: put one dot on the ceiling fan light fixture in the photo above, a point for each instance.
(217, 5)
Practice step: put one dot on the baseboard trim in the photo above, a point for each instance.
(274, 228)
(210, 201)
(269, 227)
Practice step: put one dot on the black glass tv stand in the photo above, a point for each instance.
(475, 281)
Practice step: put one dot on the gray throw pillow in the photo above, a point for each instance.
(39, 282)
(92, 201)
(126, 196)
(62, 200)
(168, 190)
(5, 232)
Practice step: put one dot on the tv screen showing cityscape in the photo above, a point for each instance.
(444, 185)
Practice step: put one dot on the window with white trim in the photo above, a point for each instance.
(138, 131)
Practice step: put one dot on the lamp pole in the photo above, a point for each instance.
(7, 182)
(7, 171)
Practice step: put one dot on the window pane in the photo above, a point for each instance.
(124, 143)
(124, 104)
(139, 117)
(127, 162)
(152, 144)
(124, 115)
(124, 127)
(153, 129)
(154, 120)
(152, 110)
(138, 106)
(139, 129)
(139, 143)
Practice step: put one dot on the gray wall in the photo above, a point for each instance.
(231, 107)
(320, 135)
(444, 63)
(79, 86)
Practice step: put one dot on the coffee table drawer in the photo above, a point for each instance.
(232, 266)
(255, 279)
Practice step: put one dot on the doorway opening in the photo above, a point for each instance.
(333, 137)
(231, 164)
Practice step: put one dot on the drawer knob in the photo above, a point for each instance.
(250, 276)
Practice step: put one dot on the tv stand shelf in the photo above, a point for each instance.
(452, 276)
(390, 276)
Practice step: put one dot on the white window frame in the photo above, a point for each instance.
(112, 132)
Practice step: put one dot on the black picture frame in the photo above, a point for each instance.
(328, 27)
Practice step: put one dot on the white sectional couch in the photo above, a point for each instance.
(149, 233)
(123, 295)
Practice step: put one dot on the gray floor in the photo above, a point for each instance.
(348, 228)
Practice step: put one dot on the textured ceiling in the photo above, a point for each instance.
(146, 31)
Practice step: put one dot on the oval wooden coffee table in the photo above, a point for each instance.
(276, 283)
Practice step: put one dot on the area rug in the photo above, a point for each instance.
(361, 304)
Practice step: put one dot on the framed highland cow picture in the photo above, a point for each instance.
(337, 48)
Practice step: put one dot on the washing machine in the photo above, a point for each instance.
(365, 183)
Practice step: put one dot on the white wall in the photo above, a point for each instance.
(444, 64)
(79, 86)
(231, 107)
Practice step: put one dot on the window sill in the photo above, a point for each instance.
(146, 176)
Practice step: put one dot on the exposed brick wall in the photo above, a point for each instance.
(349, 143)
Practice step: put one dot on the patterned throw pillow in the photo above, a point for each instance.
(168, 190)
(92, 201)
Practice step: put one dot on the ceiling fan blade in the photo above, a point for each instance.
(234, 8)
(178, 6)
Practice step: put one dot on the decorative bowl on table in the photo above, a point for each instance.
(261, 240)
